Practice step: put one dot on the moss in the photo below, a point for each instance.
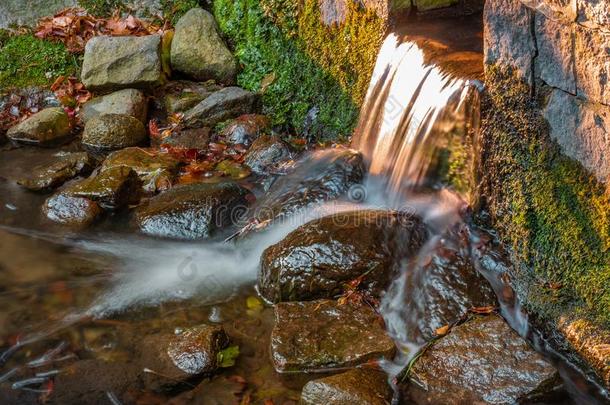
(28, 61)
(423, 5)
(304, 65)
(553, 213)
(102, 8)
(173, 10)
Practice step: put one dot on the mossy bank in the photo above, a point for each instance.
(313, 76)
(546, 206)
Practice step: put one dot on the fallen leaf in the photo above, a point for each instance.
(442, 331)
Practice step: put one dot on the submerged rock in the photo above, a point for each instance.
(112, 188)
(113, 63)
(69, 210)
(53, 175)
(245, 129)
(360, 386)
(265, 153)
(318, 177)
(318, 259)
(177, 358)
(222, 105)
(482, 361)
(199, 52)
(46, 128)
(124, 102)
(113, 131)
(324, 335)
(193, 211)
(91, 382)
(154, 169)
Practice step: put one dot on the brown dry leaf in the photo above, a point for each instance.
(74, 27)
(442, 331)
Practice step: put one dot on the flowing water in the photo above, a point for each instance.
(93, 294)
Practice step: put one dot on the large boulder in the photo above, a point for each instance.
(265, 153)
(193, 211)
(113, 63)
(113, 131)
(155, 169)
(320, 258)
(317, 177)
(125, 102)
(66, 209)
(324, 335)
(199, 52)
(177, 358)
(482, 361)
(360, 386)
(45, 128)
(63, 168)
(222, 105)
(112, 188)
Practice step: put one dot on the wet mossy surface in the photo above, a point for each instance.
(28, 61)
(313, 77)
(547, 207)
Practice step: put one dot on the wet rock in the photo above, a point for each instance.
(112, 188)
(53, 175)
(193, 211)
(199, 52)
(360, 386)
(481, 361)
(124, 102)
(113, 131)
(113, 63)
(69, 210)
(319, 258)
(222, 105)
(319, 176)
(180, 96)
(46, 128)
(194, 138)
(323, 335)
(442, 289)
(245, 129)
(154, 169)
(265, 153)
(177, 358)
(91, 382)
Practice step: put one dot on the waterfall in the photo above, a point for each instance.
(409, 106)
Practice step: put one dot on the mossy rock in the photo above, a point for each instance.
(547, 207)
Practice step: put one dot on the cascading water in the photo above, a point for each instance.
(409, 105)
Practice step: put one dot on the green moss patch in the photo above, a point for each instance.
(299, 64)
(28, 61)
(553, 213)
(101, 8)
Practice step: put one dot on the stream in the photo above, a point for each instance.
(92, 295)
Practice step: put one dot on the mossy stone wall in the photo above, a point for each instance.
(552, 212)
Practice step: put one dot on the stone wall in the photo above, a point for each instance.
(562, 48)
